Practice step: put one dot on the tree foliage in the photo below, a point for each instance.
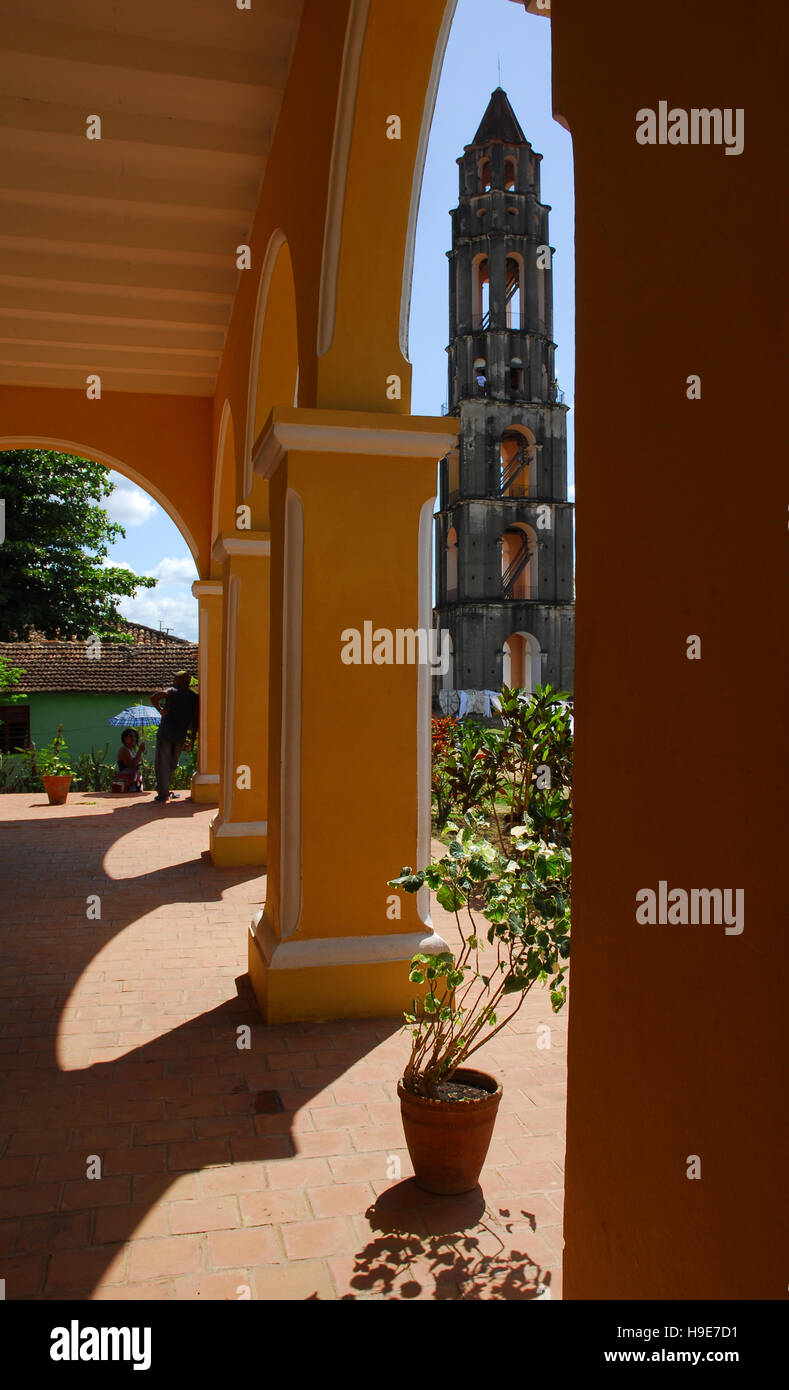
(11, 682)
(52, 571)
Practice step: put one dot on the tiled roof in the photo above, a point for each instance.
(130, 667)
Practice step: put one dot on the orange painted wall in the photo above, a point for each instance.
(676, 1036)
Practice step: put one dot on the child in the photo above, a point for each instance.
(128, 778)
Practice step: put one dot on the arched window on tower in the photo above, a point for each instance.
(516, 376)
(522, 664)
(448, 646)
(481, 375)
(452, 565)
(480, 303)
(484, 174)
(509, 173)
(514, 286)
(518, 459)
(519, 562)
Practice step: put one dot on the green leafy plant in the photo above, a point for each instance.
(509, 774)
(31, 764)
(506, 878)
(52, 760)
(534, 760)
(92, 772)
(518, 905)
(16, 773)
(10, 682)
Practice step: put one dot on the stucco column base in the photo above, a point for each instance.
(235, 844)
(334, 977)
(204, 788)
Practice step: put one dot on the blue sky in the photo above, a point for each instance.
(521, 44)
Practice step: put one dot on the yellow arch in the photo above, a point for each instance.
(69, 446)
(274, 358)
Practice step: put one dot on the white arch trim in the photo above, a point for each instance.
(275, 244)
(69, 446)
(338, 171)
(219, 468)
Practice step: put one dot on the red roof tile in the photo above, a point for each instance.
(147, 663)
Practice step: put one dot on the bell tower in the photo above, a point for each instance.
(504, 540)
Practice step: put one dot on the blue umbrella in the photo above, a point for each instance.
(136, 714)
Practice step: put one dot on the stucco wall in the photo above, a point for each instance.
(83, 715)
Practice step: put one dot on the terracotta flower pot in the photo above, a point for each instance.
(57, 789)
(449, 1139)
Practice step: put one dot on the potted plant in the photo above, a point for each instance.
(54, 769)
(509, 888)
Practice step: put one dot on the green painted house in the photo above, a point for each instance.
(81, 686)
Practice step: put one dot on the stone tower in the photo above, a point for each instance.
(504, 544)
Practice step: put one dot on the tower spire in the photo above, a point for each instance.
(499, 122)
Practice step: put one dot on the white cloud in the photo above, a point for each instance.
(109, 564)
(171, 604)
(174, 610)
(131, 506)
(172, 571)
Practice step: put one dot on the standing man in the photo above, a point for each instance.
(179, 708)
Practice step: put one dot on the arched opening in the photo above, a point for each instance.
(522, 662)
(518, 454)
(516, 376)
(480, 307)
(513, 290)
(77, 450)
(519, 562)
(448, 676)
(452, 565)
(274, 359)
(481, 374)
(85, 535)
(484, 174)
(510, 172)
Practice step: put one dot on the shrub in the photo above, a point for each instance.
(523, 901)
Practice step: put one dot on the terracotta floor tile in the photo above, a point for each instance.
(318, 1239)
(302, 1281)
(244, 1247)
(203, 1214)
(343, 1199)
(169, 1255)
(272, 1208)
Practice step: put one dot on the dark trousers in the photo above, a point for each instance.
(167, 754)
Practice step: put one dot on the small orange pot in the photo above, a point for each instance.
(57, 789)
(448, 1140)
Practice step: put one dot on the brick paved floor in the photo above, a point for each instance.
(118, 1040)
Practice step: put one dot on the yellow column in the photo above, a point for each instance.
(205, 782)
(349, 787)
(239, 829)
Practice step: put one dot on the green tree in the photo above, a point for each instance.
(52, 571)
(10, 682)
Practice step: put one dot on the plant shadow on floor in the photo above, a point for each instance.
(446, 1248)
